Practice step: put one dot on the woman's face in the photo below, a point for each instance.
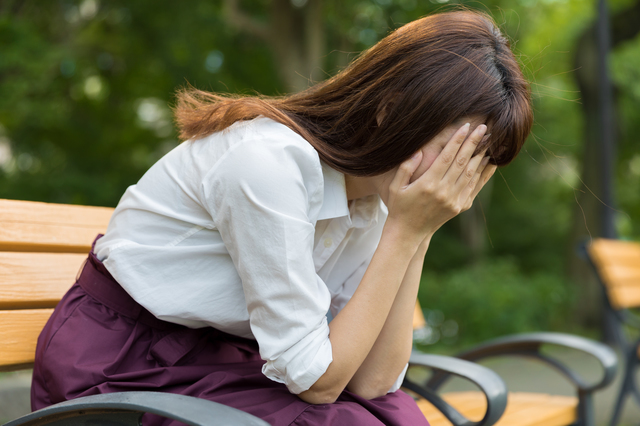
(434, 147)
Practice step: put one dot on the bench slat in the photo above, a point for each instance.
(19, 331)
(626, 252)
(539, 409)
(616, 273)
(36, 280)
(523, 409)
(45, 227)
(624, 297)
(618, 264)
(621, 275)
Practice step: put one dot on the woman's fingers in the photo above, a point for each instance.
(484, 178)
(475, 165)
(458, 169)
(442, 163)
(469, 180)
(485, 171)
(472, 170)
(398, 197)
(405, 171)
(445, 189)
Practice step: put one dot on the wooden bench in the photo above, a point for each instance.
(42, 247)
(617, 266)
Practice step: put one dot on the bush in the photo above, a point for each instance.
(490, 299)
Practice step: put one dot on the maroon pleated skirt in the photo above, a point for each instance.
(99, 340)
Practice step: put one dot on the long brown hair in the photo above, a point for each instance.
(426, 75)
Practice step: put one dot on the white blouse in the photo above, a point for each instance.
(249, 232)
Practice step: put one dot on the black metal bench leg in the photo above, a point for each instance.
(586, 416)
(627, 385)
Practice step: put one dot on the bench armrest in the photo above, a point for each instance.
(529, 344)
(126, 408)
(489, 383)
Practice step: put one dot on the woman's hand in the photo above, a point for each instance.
(448, 187)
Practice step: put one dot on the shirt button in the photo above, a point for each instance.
(328, 242)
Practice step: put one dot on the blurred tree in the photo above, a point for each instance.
(625, 26)
(86, 85)
(294, 32)
(85, 90)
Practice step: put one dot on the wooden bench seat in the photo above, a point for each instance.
(523, 409)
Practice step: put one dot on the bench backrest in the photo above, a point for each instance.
(42, 247)
(618, 266)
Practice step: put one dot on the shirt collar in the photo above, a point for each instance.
(334, 203)
(363, 212)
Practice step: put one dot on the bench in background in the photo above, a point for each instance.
(617, 266)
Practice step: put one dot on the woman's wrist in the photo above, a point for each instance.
(424, 245)
(403, 239)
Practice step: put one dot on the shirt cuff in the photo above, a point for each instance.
(399, 380)
(303, 364)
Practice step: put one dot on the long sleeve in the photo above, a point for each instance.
(264, 195)
(246, 231)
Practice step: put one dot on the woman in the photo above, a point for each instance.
(272, 261)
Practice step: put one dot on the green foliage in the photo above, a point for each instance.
(86, 89)
(493, 298)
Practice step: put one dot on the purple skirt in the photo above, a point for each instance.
(99, 340)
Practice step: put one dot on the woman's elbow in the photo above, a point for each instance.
(369, 393)
(320, 396)
(329, 395)
(370, 390)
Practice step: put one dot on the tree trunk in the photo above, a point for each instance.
(296, 37)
